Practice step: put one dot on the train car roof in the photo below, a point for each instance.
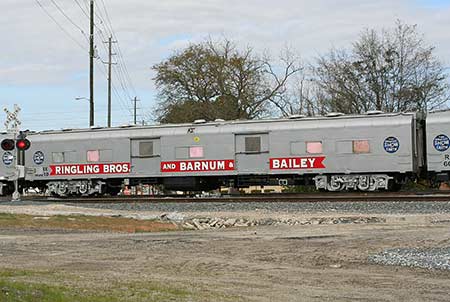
(202, 123)
(439, 116)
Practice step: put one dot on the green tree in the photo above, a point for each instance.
(213, 80)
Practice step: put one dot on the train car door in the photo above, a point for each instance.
(252, 153)
(146, 156)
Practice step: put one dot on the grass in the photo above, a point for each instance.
(17, 286)
(15, 291)
(11, 291)
(412, 186)
(97, 223)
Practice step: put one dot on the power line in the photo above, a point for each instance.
(122, 77)
(60, 26)
(119, 51)
(84, 12)
(86, 4)
(69, 19)
(122, 104)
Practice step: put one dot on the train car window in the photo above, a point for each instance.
(196, 152)
(297, 148)
(253, 144)
(344, 147)
(145, 148)
(93, 156)
(182, 152)
(70, 157)
(361, 146)
(106, 155)
(58, 157)
(314, 147)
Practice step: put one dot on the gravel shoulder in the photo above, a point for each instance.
(313, 262)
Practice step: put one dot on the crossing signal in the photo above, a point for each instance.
(23, 144)
(8, 144)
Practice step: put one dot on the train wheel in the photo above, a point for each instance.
(84, 188)
(364, 183)
(114, 191)
(334, 184)
(394, 186)
(62, 190)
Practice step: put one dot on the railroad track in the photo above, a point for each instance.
(316, 197)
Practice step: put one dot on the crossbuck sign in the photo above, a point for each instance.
(12, 122)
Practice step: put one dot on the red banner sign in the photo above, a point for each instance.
(197, 165)
(90, 169)
(294, 163)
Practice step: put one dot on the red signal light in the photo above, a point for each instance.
(23, 144)
(8, 144)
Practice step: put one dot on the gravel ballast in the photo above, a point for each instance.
(434, 258)
(287, 207)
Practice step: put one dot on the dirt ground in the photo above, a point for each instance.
(266, 263)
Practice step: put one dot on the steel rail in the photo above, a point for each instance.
(326, 197)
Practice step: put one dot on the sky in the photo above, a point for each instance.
(44, 65)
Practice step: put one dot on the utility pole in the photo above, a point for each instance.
(91, 67)
(110, 63)
(135, 110)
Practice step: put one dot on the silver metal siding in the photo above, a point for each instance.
(218, 140)
(437, 123)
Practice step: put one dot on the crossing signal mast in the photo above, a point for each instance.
(19, 142)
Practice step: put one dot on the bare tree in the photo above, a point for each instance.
(391, 71)
(302, 96)
(213, 80)
(283, 98)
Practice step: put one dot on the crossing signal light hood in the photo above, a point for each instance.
(23, 144)
(8, 144)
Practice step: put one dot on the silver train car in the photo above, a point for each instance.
(437, 146)
(335, 153)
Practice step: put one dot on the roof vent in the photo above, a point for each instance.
(296, 116)
(374, 112)
(334, 114)
(199, 121)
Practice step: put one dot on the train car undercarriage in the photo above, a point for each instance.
(112, 187)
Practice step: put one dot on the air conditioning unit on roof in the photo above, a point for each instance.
(334, 114)
(374, 112)
(296, 116)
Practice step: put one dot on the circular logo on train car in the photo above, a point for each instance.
(8, 158)
(391, 144)
(38, 157)
(441, 142)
